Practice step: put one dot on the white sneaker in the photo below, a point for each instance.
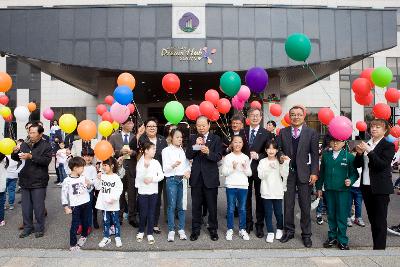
(243, 234)
(139, 237)
(11, 207)
(81, 241)
(150, 239)
(75, 248)
(270, 238)
(229, 234)
(279, 234)
(171, 236)
(2, 223)
(104, 242)
(118, 242)
(182, 235)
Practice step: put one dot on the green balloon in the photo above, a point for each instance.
(174, 112)
(298, 47)
(382, 76)
(230, 83)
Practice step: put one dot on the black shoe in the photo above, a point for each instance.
(320, 220)
(330, 242)
(156, 230)
(286, 237)
(307, 242)
(194, 236)
(259, 231)
(214, 235)
(249, 228)
(39, 234)
(134, 224)
(343, 246)
(24, 234)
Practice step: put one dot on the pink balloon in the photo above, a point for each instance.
(340, 128)
(237, 103)
(244, 93)
(48, 114)
(119, 113)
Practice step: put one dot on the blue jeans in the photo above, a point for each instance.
(11, 184)
(147, 212)
(79, 214)
(233, 195)
(355, 194)
(321, 206)
(2, 203)
(61, 172)
(273, 205)
(111, 218)
(174, 199)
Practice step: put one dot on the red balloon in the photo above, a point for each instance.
(100, 109)
(192, 112)
(287, 118)
(9, 118)
(247, 121)
(361, 86)
(223, 106)
(275, 110)
(4, 100)
(361, 126)
(398, 121)
(107, 117)
(215, 115)
(381, 111)
(207, 109)
(212, 96)
(109, 100)
(325, 115)
(367, 75)
(395, 131)
(396, 145)
(256, 105)
(392, 95)
(278, 130)
(171, 83)
(364, 100)
(131, 108)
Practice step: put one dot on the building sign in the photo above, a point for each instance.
(184, 53)
(188, 22)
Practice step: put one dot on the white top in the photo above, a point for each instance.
(74, 191)
(170, 155)
(372, 145)
(299, 129)
(335, 154)
(13, 168)
(236, 178)
(90, 172)
(3, 175)
(357, 183)
(61, 156)
(154, 171)
(110, 187)
(54, 128)
(273, 178)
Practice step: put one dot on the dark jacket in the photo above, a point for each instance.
(161, 144)
(116, 140)
(380, 170)
(35, 173)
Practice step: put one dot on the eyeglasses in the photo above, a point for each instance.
(296, 115)
(151, 126)
(255, 116)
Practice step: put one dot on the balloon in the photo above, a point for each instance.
(223, 106)
(340, 128)
(107, 117)
(287, 118)
(392, 95)
(230, 83)
(5, 82)
(174, 112)
(278, 130)
(396, 145)
(7, 145)
(32, 106)
(244, 93)
(361, 86)
(22, 114)
(257, 79)
(275, 110)
(247, 121)
(123, 95)
(171, 83)
(105, 128)
(284, 123)
(206, 108)
(364, 100)
(192, 112)
(255, 105)
(131, 108)
(5, 111)
(4, 100)
(381, 111)
(212, 96)
(361, 126)
(109, 100)
(382, 76)
(48, 114)
(103, 150)
(325, 115)
(87, 130)
(9, 118)
(119, 113)
(367, 75)
(298, 47)
(390, 138)
(115, 125)
(68, 123)
(215, 115)
(126, 79)
(237, 104)
(395, 131)
(100, 109)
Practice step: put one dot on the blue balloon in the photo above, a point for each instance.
(123, 95)
(390, 138)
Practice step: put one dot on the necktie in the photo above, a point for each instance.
(126, 140)
(252, 137)
(295, 135)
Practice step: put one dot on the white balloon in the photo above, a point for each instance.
(21, 113)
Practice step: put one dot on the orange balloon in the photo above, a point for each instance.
(126, 79)
(87, 130)
(103, 150)
(31, 106)
(5, 82)
(284, 123)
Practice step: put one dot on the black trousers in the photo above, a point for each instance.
(79, 216)
(377, 206)
(130, 205)
(260, 214)
(161, 185)
(210, 195)
(32, 201)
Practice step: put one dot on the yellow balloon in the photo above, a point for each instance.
(105, 128)
(68, 123)
(5, 111)
(115, 125)
(7, 145)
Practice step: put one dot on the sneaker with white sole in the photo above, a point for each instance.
(229, 234)
(270, 238)
(104, 242)
(244, 235)
(11, 207)
(359, 222)
(2, 223)
(150, 239)
(75, 248)
(171, 236)
(182, 235)
(395, 229)
(349, 222)
(81, 241)
(279, 234)
(118, 242)
(139, 237)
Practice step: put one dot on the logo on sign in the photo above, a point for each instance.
(189, 22)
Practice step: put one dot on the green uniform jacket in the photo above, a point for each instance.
(333, 172)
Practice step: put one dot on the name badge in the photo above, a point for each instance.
(343, 164)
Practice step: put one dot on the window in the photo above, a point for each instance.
(313, 121)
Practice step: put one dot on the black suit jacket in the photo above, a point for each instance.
(205, 165)
(380, 170)
(161, 144)
(258, 146)
(117, 143)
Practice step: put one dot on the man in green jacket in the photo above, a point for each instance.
(337, 174)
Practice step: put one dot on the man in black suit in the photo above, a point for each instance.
(300, 144)
(205, 149)
(257, 137)
(235, 129)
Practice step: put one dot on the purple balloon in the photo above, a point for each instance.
(256, 79)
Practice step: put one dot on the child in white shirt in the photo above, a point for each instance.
(61, 161)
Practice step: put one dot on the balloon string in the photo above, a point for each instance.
(225, 125)
(222, 129)
(176, 98)
(137, 110)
